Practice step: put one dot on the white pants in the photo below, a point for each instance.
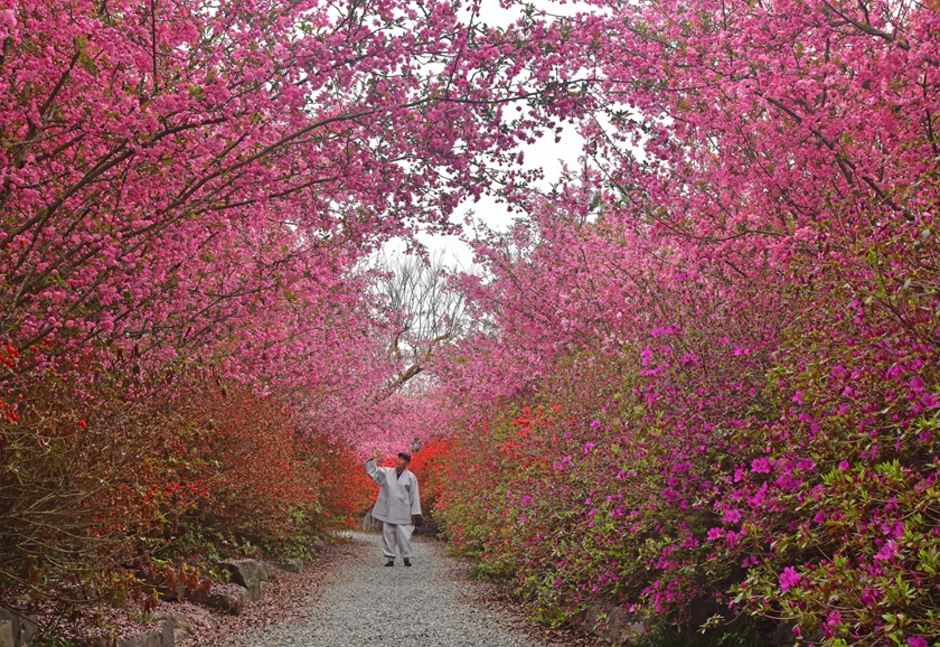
(392, 534)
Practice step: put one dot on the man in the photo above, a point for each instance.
(398, 506)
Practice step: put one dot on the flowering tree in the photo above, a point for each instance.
(187, 189)
(171, 167)
(735, 306)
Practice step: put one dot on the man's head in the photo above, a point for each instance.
(401, 462)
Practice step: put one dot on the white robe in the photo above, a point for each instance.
(398, 494)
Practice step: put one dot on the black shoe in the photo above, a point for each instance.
(407, 562)
(391, 562)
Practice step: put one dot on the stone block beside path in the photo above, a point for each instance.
(291, 566)
(249, 573)
(15, 629)
(160, 636)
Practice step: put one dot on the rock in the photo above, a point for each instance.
(176, 593)
(199, 596)
(180, 623)
(700, 611)
(783, 635)
(249, 573)
(371, 524)
(231, 602)
(6, 634)
(268, 575)
(22, 628)
(161, 636)
(291, 566)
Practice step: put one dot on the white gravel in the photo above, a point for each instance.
(422, 606)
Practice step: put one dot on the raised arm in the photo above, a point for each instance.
(374, 473)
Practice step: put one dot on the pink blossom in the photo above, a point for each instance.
(731, 516)
(715, 533)
(789, 578)
(888, 551)
(761, 465)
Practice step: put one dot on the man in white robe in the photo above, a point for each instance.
(398, 506)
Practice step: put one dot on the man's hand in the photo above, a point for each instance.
(417, 520)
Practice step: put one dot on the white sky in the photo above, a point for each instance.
(544, 154)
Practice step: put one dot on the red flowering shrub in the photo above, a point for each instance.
(427, 467)
(69, 520)
(91, 501)
(345, 490)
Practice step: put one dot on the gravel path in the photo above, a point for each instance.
(427, 605)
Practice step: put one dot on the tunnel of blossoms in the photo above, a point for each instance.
(699, 371)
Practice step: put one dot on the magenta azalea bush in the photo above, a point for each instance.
(735, 306)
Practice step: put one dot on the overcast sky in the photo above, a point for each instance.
(545, 153)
